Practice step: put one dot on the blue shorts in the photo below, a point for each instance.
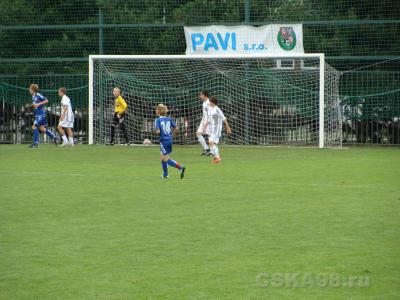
(165, 147)
(40, 121)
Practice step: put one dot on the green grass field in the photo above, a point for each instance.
(98, 223)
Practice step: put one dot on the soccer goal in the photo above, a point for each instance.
(268, 100)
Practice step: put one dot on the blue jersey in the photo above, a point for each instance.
(166, 126)
(39, 111)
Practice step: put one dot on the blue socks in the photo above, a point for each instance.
(174, 164)
(50, 134)
(165, 168)
(36, 136)
(170, 162)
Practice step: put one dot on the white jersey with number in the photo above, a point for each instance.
(205, 107)
(215, 119)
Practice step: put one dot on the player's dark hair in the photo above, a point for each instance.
(34, 87)
(63, 90)
(214, 100)
(204, 93)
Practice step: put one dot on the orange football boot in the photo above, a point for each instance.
(216, 160)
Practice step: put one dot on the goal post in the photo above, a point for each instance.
(90, 106)
(290, 99)
(321, 133)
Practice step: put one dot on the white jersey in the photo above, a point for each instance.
(206, 105)
(215, 121)
(69, 115)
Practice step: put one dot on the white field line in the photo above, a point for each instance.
(264, 183)
(41, 174)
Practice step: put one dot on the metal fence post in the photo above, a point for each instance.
(101, 31)
(247, 8)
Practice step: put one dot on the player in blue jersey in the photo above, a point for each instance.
(166, 128)
(38, 103)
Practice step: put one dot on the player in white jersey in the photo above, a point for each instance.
(200, 131)
(66, 119)
(215, 121)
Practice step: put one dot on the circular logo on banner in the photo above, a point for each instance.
(287, 38)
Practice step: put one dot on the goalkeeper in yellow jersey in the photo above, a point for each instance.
(120, 107)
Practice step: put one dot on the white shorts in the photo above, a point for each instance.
(66, 124)
(201, 128)
(214, 138)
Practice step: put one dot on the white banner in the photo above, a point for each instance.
(272, 39)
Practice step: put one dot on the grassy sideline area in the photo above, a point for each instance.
(96, 222)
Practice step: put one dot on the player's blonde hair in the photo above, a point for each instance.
(34, 87)
(162, 109)
(63, 90)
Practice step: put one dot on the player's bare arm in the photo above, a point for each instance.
(175, 132)
(227, 127)
(64, 111)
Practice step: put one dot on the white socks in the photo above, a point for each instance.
(214, 151)
(202, 142)
(69, 140)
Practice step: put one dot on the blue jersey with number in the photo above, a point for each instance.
(166, 126)
(39, 111)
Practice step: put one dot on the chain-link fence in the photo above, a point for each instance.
(48, 42)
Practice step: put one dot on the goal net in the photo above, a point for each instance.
(267, 100)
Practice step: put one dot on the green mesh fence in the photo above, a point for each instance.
(51, 38)
(37, 29)
(16, 116)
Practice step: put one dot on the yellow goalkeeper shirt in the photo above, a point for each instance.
(120, 105)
